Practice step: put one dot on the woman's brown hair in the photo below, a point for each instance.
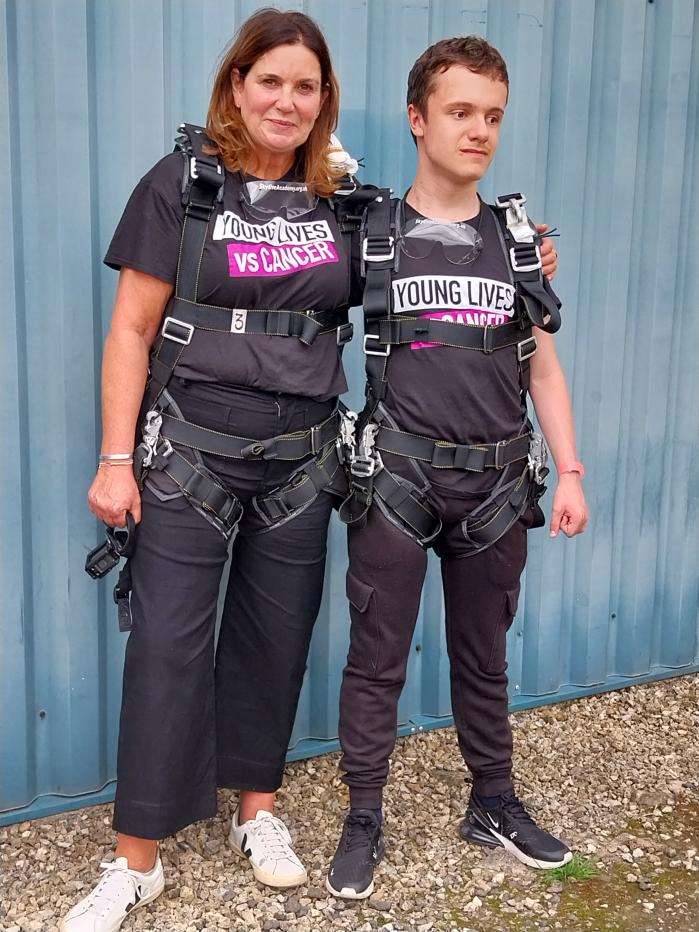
(261, 32)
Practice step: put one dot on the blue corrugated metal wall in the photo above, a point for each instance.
(601, 133)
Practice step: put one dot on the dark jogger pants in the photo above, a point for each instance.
(384, 582)
(186, 727)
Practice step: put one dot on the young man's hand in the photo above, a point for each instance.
(569, 512)
(549, 256)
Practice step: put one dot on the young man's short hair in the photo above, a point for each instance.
(473, 52)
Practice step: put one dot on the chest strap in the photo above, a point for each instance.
(394, 331)
(442, 454)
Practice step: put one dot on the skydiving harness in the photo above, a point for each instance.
(373, 432)
(174, 446)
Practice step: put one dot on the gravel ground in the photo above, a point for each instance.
(616, 775)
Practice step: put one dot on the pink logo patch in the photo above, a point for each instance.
(260, 259)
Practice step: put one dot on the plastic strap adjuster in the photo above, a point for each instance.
(383, 248)
(527, 251)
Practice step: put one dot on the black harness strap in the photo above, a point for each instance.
(324, 474)
(445, 455)
(294, 446)
(394, 331)
(304, 325)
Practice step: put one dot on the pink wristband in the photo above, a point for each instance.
(572, 466)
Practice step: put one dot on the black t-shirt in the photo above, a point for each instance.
(301, 264)
(449, 393)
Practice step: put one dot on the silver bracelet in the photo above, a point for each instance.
(115, 459)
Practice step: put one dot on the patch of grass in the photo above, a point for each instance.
(579, 868)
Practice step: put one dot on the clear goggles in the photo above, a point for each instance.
(459, 242)
(263, 200)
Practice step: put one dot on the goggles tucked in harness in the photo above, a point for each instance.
(263, 200)
(459, 242)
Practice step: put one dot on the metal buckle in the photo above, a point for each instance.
(345, 332)
(537, 457)
(499, 446)
(531, 267)
(523, 354)
(487, 339)
(177, 323)
(381, 257)
(366, 460)
(315, 438)
(368, 352)
(151, 438)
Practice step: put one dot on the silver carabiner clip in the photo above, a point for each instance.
(151, 435)
(537, 457)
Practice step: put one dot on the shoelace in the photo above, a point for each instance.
(275, 836)
(360, 830)
(516, 808)
(100, 891)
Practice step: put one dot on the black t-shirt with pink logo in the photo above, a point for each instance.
(449, 393)
(247, 262)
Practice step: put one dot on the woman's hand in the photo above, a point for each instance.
(549, 256)
(114, 492)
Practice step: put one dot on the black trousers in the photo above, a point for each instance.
(192, 719)
(384, 582)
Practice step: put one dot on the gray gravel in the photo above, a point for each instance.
(616, 775)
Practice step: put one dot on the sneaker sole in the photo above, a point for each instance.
(269, 880)
(349, 893)
(491, 839)
(143, 902)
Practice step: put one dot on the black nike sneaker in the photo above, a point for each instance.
(361, 848)
(508, 825)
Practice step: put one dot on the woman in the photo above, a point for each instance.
(266, 260)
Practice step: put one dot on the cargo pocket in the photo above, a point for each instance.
(497, 662)
(364, 634)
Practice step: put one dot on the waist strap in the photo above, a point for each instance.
(294, 446)
(445, 455)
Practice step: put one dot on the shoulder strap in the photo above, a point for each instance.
(535, 299)
(378, 245)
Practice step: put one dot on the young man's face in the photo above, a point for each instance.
(458, 135)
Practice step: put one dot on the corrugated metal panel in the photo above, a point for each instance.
(601, 133)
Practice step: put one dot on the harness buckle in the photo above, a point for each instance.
(366, 460)
(499, 454)
(387, 245)
(151, 439)
(169, 331)
(345, 332)
(315, 433)
(536, 458)
(526, 349)
(525, 266)
(487, 339)
(368, 352)
(194, 171)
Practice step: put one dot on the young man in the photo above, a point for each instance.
(447, 457)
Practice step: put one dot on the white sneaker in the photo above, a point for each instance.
(118, 893)
(266, 842)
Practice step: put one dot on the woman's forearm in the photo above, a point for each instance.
(124, 372)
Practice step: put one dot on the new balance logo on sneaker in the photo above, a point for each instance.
(509, 825)
(360, 850)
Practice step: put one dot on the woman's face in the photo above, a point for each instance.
(279, 100)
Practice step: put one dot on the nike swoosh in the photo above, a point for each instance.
(493, 822)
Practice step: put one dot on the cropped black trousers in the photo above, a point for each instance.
(196, 713)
